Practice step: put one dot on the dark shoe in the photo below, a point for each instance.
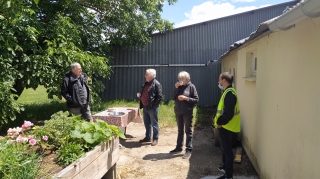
(187, 155)
(145, 140)
(224, 177)
(175, 151)
(154, 143)
(221, 169)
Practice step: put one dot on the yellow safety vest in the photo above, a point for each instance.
(234, 124)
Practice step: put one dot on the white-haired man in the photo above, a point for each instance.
(151, 96)
(75, 90)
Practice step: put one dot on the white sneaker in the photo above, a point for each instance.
(187, 155)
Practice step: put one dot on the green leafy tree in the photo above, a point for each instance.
(39, 39)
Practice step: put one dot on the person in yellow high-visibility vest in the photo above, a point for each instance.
(227, 122)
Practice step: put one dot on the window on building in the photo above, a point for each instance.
(251, 65)
(254, 66)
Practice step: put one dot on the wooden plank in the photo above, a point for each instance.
(107, 164)
(74, 168)
(94, 167)
(101, 164)
(91, 164)
(238, 155)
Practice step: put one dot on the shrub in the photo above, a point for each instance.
(57, 128)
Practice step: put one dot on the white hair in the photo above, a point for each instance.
(74, 65)
(151, 72)
(184, 75)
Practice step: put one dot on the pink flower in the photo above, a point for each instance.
(21, 139)
(29, 137)
(45, 138)
(26, 125)
(32, 142)
(10, 130)
(16, 129)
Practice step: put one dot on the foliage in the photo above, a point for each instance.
(18, 152)
(69, 136)
(204, 115)
(21, 135)
(39, 39)
(36, 112)
(57, 128)
(17, 161)
(7, 102)
(91, 134)
(68, 153)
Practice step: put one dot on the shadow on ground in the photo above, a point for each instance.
(206, 158)
(161, 156)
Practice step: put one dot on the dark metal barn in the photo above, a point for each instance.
(195, 49)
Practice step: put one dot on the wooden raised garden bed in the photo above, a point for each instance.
(98, 163)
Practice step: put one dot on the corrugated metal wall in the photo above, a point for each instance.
(195, 44)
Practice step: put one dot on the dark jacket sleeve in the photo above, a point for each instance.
(158, 95)
(64, 90)
(193, 98)
(228, 111)
(174, 94)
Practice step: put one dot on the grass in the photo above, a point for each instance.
(30, 95)
(38, 108)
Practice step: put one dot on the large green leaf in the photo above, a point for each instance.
(77, 134)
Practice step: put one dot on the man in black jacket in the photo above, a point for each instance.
(75, 90)
(227, 122)
(151, 96)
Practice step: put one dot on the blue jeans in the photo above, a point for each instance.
(150, 118)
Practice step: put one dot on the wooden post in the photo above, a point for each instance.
(112, 173)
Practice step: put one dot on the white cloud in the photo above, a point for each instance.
(208, 11)
(235, 1)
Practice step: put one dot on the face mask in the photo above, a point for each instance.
(220, 86)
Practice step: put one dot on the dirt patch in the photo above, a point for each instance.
(48, 166)
(144, 161)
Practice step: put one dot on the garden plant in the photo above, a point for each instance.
(70, 137)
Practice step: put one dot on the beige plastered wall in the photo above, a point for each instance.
(280, 111)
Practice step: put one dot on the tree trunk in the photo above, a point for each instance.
(18, 87)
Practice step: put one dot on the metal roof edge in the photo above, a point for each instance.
(262, 29)
(289, 18)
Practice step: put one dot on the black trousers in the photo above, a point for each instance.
(225, 138)
(184, 123)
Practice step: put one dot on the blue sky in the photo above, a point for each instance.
(187, 12)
